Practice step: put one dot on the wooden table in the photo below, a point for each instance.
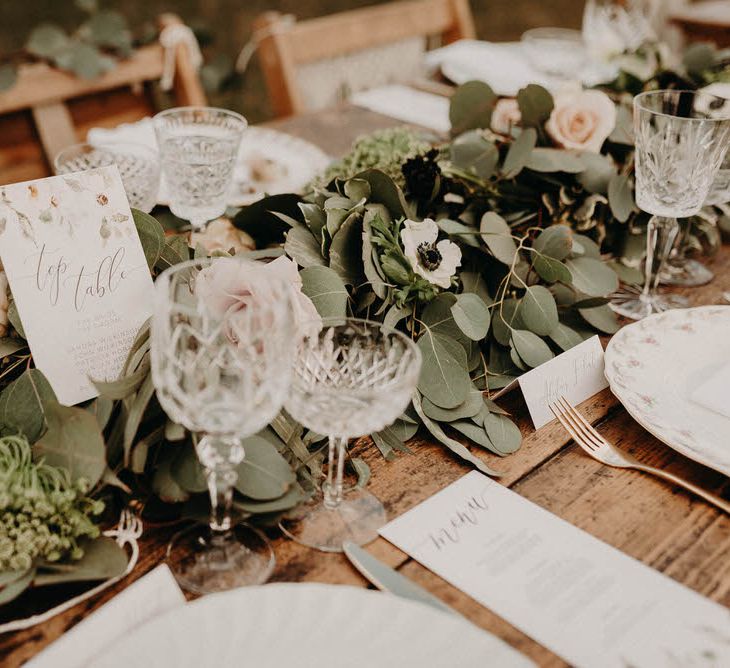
(663, 526)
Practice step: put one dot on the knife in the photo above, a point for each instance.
(386, 579)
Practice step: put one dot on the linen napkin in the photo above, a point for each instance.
(151, 595)
(714, 393)
(407, 104)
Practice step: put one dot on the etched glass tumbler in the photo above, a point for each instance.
(681, 139)
(351, 378)
(138, 165)
(199, 147)
(223, 342)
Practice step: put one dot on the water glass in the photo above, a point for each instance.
(223, 341)
(139, 167)
(351, 378)
(681, 140)
(199, 147)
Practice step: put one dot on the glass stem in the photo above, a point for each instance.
(660, 235)
(220, 486)
(335, 470)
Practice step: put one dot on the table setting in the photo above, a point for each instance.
(467, 381)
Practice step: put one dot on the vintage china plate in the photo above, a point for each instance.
(308, 625)
(269, 162)
(653, 366)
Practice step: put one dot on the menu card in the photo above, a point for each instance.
(78, 275)
(581, 598)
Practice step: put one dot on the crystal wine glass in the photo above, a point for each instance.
(199, 147)
(139, 167)
(352, 377)
(681, 139)
(223, 342)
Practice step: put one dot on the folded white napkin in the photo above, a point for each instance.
(148, 597)
(714, 393)
(408, 105)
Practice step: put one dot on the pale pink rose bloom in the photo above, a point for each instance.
(227, 286)
(4, 303)
(506, 115)
(221, 235)
(581, 120)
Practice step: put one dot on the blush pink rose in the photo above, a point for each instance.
(506, 115)
(581, 120)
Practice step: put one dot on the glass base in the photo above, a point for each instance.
(689, 273)
(357, 520)
(635, 305)
(204, 563)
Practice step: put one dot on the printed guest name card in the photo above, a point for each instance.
(78, 275)
(581, 598)
(575, 374)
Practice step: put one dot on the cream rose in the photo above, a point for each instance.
(582, 120)
(4, 303)
(221, 235)
(228, 286)
(506, 115)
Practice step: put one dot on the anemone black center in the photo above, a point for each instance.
(429, 256)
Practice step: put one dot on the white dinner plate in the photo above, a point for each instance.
(308, 626)
(294, 162)
(502, 65)
(654, 365)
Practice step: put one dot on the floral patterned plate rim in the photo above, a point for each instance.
(652, 367)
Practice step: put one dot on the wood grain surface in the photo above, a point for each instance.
(654, 522)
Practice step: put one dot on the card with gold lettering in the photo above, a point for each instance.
(78, 275)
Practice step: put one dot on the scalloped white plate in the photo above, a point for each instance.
(297, 161)
(653, 366)
(309, 626)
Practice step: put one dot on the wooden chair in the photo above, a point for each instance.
(364, 42)
(48, 109)
(705, 22)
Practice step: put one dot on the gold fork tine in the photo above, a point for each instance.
(581, 425)
(557, 411)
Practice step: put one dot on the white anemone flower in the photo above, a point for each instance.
(436, 262)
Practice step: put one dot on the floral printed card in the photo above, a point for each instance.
(78, 275)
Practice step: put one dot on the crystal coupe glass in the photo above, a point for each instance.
(223, 342)
(199, 147)
(681, 139)
(139, 167)
(351, 378)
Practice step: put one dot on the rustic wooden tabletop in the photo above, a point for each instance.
(650, 520)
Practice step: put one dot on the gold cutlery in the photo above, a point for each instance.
(599, 448)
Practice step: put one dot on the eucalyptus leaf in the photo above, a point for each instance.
(46, 40)
(303, 248)
(383, 190)
(555, 241)
(150, 234)
(457, 448)
(505, 318)
(629, 275)
(565, 337)
(620, 197)
(519, 153)
(345, 252)
(475, 433)
(293, 497)
(362, 470)
(535, 104)
(103, 559)
(163, 482)
(538, 310)
(187, 470)
(136, 413)
(126, 385)
(264, 474)
(471, 315)
(443, 378)
(602, 318)
(554, 160)
(592, 277)
(475, 154)
(530, 347)
(550, 270)
(23, 404)
(74, 442)
(326, 290)
(370, 261)
(585, 247)
(462, 232)
(17, 586)
(470, 407)
(504, 434)
(597, 173)
(14, 319)
(471, 107)
(497, 234)
(394, 315)
(473, 281)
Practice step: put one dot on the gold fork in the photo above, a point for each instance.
(599, 448)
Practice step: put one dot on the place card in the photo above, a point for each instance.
(148, 597)
(576, 374)
(579, 597)
(78, 275)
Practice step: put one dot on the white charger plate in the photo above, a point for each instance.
(308, 626)
(654, 365)
(299, 161)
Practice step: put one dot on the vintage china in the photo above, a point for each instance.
(652, 367)
(308, 625)
(296, 161)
